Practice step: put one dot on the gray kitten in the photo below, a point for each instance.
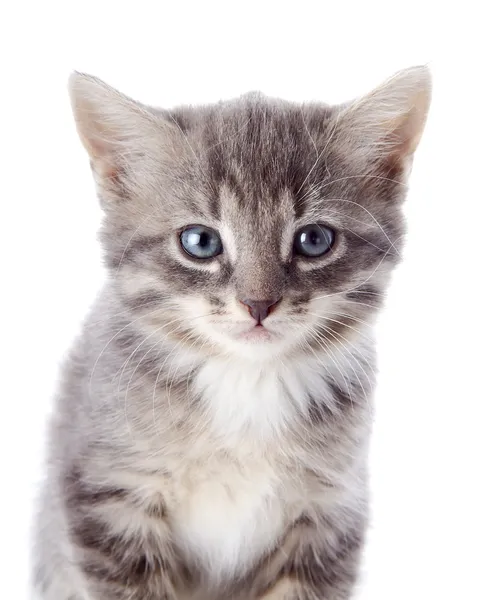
(210, 435)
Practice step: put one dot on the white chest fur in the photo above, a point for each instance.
(229, 513)
(234, 501)
(256, 400)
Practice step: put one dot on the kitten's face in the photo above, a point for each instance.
(253, 227)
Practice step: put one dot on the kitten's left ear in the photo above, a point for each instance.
(389, 121)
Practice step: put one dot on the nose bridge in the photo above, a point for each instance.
(261, 277)
(260, 274)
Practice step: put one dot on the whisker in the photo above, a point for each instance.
(319, 156)
(358, 320)
(228, 138)
(328, 182)
(184, 337)
(367, 177)
(372, 217)
(358, 285)
(322, 340)
(168, 378)
(361, 333)
(141, 224)
(337, 335)
(122, 369)
(129, 324)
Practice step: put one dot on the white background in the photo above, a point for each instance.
(436, 447)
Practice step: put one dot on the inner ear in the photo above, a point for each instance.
(116, 131)
(388, 122)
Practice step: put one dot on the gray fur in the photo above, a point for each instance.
(165, 415)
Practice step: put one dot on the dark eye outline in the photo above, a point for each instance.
(206, 228)
(297, 251)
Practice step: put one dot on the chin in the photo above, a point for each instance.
(257, 335)
(259, 344)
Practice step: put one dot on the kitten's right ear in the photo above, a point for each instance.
(113, 128)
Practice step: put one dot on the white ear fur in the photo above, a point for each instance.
(389, 120)
(112, 127)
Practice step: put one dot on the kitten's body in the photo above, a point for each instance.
(191, 458)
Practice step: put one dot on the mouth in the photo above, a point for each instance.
(258, 333)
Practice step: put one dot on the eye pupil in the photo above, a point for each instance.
(200, 242)
(314, 240)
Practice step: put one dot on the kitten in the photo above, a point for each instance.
(210, 435)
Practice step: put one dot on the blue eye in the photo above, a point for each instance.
(201, 242)
(313, 240)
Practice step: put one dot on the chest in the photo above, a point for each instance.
(227, 512)
(257, 402)
(240, 481)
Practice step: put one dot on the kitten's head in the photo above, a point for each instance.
(254, 226)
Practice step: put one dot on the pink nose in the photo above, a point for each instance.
(260, 309)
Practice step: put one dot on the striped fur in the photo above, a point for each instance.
(190, 459)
